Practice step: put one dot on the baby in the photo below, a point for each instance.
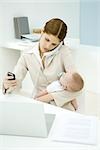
(70, 81)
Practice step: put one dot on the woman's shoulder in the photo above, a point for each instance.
(65, 50)
(26, 55)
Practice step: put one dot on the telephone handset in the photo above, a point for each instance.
(11, 74)
(58, 46)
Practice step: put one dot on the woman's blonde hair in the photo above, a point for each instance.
(56, 27)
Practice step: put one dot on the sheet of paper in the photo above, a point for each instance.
(75, 129)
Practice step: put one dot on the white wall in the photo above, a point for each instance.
(87, 63)
(90, 22)
(8, 59)
(37, 1)
(38, 14)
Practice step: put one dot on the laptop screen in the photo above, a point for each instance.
(22, 118)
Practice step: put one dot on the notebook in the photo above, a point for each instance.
(75, 128)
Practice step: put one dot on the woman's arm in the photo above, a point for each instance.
(46, 98)
(42, 93)
(45, 95)
(20, 71)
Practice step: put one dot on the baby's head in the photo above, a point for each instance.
(72, 82)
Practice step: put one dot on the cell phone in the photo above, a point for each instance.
(11, 74)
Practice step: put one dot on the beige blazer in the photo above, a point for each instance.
(55, 62)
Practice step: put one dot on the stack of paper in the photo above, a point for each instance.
(75, 129)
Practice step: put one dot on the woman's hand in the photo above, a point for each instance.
(46, 98)
(42, 93)
(74, 103)
(7, 83)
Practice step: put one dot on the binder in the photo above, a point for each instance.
(21, 26)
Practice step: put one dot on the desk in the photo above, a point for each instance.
(18, 44)
(27, 143)
(23, 44)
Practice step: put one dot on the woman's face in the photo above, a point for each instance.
(48, 42)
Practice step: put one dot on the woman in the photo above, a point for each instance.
(48, 58)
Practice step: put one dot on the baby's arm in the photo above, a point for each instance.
(45, 95)
(74, 103)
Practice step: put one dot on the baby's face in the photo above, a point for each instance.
(68, 82)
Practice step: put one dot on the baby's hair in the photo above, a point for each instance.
(79, 81)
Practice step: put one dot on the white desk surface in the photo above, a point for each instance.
(21, 45)
(18, 44)
(8, 142)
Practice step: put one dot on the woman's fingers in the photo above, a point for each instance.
(75, 104)
(9, 77)
(9, 83)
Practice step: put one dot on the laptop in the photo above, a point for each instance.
(32, 37)
(22, 31)
(24, 119)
